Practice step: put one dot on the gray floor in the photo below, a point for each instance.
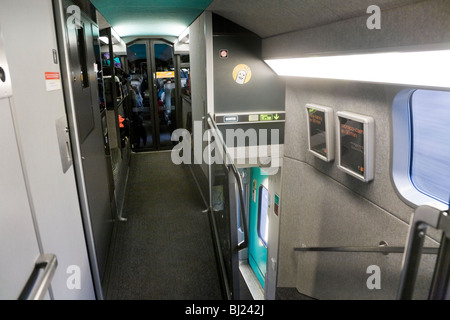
(290, 294)
(164, 250)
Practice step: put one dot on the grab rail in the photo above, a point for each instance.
(231, 166)
(40, 279)
(380, 249)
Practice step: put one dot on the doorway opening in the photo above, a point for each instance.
(154, 94)
(253, 261)
(258, 224)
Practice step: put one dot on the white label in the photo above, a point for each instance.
(52, 81)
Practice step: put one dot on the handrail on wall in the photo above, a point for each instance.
(380, 249)
(229, 163)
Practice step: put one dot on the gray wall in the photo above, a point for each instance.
(29, 36)
(265, 92)
(200, 40)
(423, 23)
(321, 205)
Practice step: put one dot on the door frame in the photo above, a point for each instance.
(151, 71)
(97, 225)
(153, 111)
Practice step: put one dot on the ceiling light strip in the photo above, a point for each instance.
(425, 68)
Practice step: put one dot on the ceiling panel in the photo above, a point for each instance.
(264, 17)
(150, 17)
(268, 17)
(273, 17)
(346, 9)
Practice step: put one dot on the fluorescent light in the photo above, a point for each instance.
(115, 36)
(425, 68)
(184, 36)
(151, 28)
(105, 40)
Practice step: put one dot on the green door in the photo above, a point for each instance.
(258, 224)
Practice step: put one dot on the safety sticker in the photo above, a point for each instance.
(52, 81)
(223, 53)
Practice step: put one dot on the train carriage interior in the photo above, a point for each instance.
(225, 150)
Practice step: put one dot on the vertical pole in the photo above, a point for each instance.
(440, 284)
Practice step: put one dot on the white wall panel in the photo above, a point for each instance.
(29, 35)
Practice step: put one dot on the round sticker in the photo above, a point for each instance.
(242, 74)
(224, 53)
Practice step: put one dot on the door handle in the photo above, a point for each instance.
(40, 279)
(63, 136)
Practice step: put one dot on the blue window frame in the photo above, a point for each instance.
(263, 209)
(421, 147)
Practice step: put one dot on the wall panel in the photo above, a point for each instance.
(322, 205)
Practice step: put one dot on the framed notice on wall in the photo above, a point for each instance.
(320, 123)
(355, 144)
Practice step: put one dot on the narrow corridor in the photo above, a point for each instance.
(164, 250)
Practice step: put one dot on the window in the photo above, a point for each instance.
(263, 208)
(430, 165)
(421, 151)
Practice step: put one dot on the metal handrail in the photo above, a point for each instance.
(231, 166)
(362, 249)
(40, 279)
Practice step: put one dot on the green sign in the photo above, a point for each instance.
(269, 117)
(250, 118)
(265, 117)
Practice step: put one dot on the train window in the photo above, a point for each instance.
(430, 165)
(420, 124)
(263, 209)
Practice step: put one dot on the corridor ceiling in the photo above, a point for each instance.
(150, 17)
(264, 17)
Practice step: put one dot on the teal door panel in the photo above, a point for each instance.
(258, 226)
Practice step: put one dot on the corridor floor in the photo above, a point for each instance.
(164, 250)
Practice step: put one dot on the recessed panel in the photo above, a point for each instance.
(356, 145)
(320, 124)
